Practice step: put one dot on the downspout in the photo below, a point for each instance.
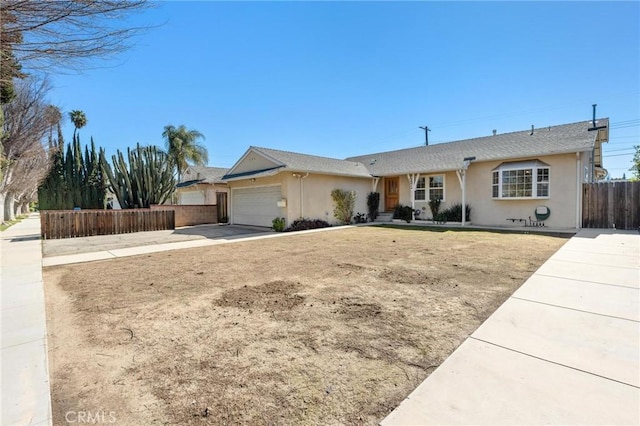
(578, 191)
(302, 194)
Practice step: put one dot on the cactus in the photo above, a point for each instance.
(74, 180)
(147, 177)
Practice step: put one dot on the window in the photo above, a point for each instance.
(436, 187)
(434, 190)
(420, 192)
(525, 179)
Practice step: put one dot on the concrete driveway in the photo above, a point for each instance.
(105, 243)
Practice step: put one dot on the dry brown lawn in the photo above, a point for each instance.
(324, 328)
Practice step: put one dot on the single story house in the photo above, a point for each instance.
(200, 185)
(502, 177)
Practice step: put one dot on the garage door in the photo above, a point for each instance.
(191, 197)
(256, 206)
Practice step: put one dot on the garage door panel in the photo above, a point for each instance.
(256, 206)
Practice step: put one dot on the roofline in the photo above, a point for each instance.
(245, 155)
(188, 183)
(318, 172)
(237, 176)
(572, 151)
(474, 138)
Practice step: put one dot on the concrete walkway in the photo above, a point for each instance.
(25, 379)
(564, 349)
(136, 250)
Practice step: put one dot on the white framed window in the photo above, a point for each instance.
(420, 190)
(435, 188)
(523, 179)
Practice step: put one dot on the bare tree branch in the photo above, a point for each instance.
(63, 35)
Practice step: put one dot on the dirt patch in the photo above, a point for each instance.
(273, 296)
(338, 332)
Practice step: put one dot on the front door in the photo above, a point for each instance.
(391, 192)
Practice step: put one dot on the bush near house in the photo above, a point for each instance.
(434, 206)
(454, 213)
(304, 224)
(360, 218)
(403, 212)
(278, 224)
(344, 202)
(373, 201)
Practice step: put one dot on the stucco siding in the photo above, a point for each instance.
(202, 193)
(253, 162)
(452, 192)
(562, 198)
(564, 194)
(317, 202)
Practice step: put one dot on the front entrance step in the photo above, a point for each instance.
(384, 217)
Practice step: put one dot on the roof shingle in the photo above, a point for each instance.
(314, 164)
(441, 157)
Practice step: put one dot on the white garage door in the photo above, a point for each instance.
(256, 206)
(191, 197)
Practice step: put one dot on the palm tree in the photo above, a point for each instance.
(182, 147)
(79, 120)
(53, 117)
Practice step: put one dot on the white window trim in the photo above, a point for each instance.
(427, 189)
(534, 166)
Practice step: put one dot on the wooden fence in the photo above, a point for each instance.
(190, 214)
(611, 205)
(56, 224)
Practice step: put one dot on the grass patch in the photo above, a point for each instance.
(9, 223)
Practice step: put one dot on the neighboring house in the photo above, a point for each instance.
(200, 185)
(504, 176)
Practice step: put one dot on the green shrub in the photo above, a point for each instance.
(434, 205)
(344, 203)
(373, 201)
(403, 213)
(440, 218)
(454, 213)
(304, 224)
(278, 224)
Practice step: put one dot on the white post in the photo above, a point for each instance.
(413, 182)
(464, 191)
(462, 178)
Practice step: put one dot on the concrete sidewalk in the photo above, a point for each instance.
(564, 349)
(25, 378)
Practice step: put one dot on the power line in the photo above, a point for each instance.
(618, 155)
(621, 149)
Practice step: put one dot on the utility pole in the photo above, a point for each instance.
(426, 134)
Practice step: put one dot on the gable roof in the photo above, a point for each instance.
(203, 174)
(448, 156)
(293, 161)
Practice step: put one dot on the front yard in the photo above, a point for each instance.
(326, 328)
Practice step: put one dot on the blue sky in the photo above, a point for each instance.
(348, 78)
